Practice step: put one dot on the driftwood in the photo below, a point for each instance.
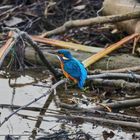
(94, 58)
(116, 84)
(99, 112)
(66, 45)
(92, 21)
(87, 61)
(13, 107)
(97, 119)
(31, 55)
(112, 62)
(129, 76)
(44, 108)
(33, 101)
(41, 114)
(127, 69)
(122, 7)
(115, 62)
(119, 105)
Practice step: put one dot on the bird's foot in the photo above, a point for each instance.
(85, 89)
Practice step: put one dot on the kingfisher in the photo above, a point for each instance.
(72, 68)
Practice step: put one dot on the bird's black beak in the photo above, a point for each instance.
(55, 52)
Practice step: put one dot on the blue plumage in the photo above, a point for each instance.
(73, 67)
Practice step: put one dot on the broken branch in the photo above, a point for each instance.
(94, 58)
(92, 21)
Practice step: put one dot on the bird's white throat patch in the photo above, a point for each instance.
(65, 58)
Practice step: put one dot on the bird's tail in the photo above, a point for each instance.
(81, 83)
(83, 78)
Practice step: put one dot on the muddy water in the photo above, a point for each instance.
(22, 92)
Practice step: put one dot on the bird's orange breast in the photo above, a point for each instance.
(66, 74)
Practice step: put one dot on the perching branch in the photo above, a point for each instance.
(92, 21)
(42, 57)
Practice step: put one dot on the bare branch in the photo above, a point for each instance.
(92, 21)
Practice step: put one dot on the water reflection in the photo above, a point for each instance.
(20, 91)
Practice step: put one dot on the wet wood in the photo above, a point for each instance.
(129, 76)
(119, 105)
(97, 119)
(107, 63)
(122, 7)
(67, 45)
(116, 84)
(127, 69)
(94, 58)
(41, 56)
(45, 107)
(13, 107)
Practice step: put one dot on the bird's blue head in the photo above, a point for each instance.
(64, 53)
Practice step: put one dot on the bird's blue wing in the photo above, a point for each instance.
(73, 69)
(77, 70)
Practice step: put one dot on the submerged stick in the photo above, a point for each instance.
(42, 57)
(127, 69)
(12, 107)
(100, 111)
(33, 101)
(97, 119)
(119, 105)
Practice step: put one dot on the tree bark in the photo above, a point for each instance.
(123, 7)
(108, 63)
(92, 21)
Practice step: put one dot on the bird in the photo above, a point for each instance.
(72, 68)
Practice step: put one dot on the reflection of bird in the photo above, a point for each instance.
(72, 68)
